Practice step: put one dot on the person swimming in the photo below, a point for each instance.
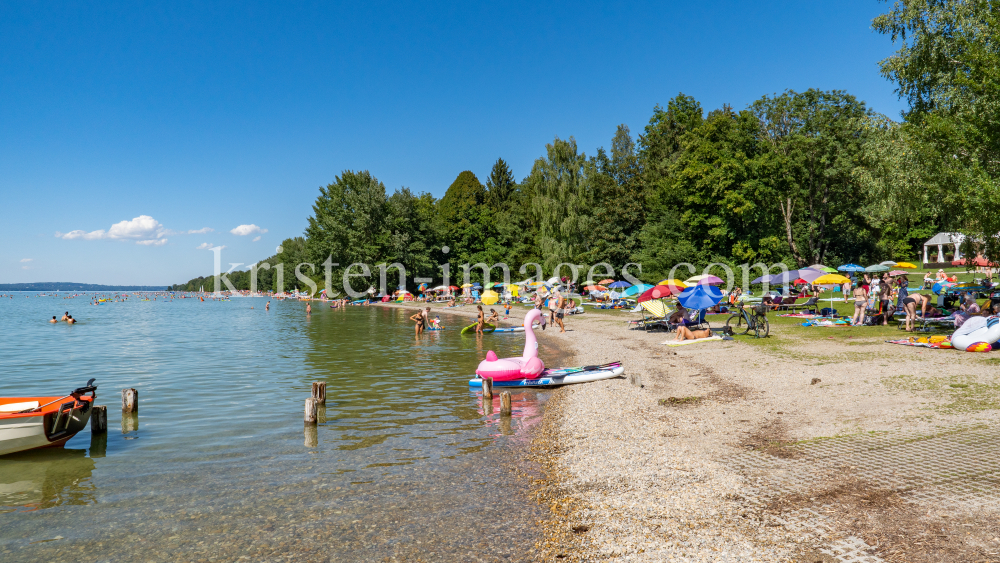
(53, 319)
(65, 316)
(71, 320)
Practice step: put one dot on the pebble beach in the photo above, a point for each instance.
(779, 450)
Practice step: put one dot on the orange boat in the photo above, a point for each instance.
(27, 423)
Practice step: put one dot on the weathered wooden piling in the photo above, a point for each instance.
(311, 411)
(319, 392)
(130, 400)
(505, 408)
(98, 419)
(488, 390)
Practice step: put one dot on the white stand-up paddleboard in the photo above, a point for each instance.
(562, 376)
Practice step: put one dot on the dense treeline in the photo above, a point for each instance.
(797, 177)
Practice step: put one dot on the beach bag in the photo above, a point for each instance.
(828, 312)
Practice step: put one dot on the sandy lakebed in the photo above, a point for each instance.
(815, 445)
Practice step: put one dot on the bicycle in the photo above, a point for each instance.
(742, 321)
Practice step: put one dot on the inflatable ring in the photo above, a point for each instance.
(977, 334)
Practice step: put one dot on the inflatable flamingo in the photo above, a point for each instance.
(977, 334)
(528, 366)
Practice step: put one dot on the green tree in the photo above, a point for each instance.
(500, 185)
(461, 213)
(561, 200)
(349, 221)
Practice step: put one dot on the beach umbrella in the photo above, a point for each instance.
(875, 268)
(477, 285)
(659, 292)
(553, 280)
(762, 279)
(453, 287)
(823, 268)
(672, 282)
(420, 287)
(897, 273)
(905, 265)
(888, 263)
(637, 289)
(466, 285)
(604, 282)
(850, 268)
(499, 284)
(489, 297)
(619, 285)
(595, 288)
(704, 279)
(809, 274)
(830, 279)
(701, 296)
(786, 277)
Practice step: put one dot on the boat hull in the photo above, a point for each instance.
(42, 429)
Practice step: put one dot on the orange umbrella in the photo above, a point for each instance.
(602, 282)
(595, 288)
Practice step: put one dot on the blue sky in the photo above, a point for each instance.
(125, 125)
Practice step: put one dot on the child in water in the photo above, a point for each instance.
(436, 323)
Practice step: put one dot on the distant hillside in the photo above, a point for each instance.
(69, 286)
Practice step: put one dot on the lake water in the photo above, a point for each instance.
(218, 465)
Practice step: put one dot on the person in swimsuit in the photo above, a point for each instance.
(910, 306)
(71, 320)
(418, 318)
(480, 320)
(53, 319)
(268, 306)
(427, 317)
(309, 308)
(65, 316)
(685, 333)
(560, 312)
(860, 295)
(885, 298)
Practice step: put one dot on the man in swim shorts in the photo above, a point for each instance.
(560, 312)
(53, 319)
(910, 306)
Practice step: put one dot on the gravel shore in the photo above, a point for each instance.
(772, 450)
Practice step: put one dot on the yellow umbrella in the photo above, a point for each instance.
(466, 285)
(830, 279)
(489, 297)
(905, 265)
(678, 283)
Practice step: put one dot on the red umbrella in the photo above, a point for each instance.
(660, 292)
(453, 287)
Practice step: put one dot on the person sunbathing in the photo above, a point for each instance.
(684, 333)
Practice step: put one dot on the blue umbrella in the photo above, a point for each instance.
(638, 289)
(850, 268)
(619, 284)
(762, 279)
(700, 297)
(477, 285)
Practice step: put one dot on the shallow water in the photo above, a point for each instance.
(218, 465)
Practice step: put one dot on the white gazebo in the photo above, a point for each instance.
(940, 240)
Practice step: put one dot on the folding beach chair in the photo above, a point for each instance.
(654, 313)
(810, 305)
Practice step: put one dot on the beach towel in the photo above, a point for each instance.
(939, 342)
(695, 341)
(827, 322)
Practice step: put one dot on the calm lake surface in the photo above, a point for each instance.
(218, 466)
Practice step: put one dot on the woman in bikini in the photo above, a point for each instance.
(860, 295)
(418, 318)
(480, 320)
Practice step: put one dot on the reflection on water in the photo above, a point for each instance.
(217, 463)
(45, 478)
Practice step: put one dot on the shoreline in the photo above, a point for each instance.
(804, 446)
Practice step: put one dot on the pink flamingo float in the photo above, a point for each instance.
(528, 366)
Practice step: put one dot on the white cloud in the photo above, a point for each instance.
(27, 259)
(201, 231)
(93, 235)
(25, 268)
(244, 230)
(152, 242)
(141, 227)
(204, 246)
(256, 238)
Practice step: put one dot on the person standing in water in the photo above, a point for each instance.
(268, 306)
(309, 308)
(480, 320)
(53, 319)
(418, 318)
(65, 316)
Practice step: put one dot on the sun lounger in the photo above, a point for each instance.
(812, 304)
(654, 313)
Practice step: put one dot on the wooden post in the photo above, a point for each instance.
(505, 408)
(488, 390)
(311, 414)
(98, 419)
(130, 400)
(130, 422)
(319, 392)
